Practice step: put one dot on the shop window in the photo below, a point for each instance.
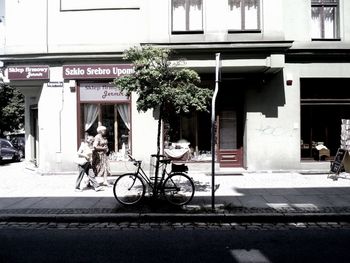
(325, 19)
(244, 15)
(324, 103)
(187, 16)
(188, 137)
(116, 117)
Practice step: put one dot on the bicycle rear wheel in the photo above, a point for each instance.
(178, 189)
(129, 189)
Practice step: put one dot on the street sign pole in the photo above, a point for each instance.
(213, 125)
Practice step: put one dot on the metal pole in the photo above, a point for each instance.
(213, 131)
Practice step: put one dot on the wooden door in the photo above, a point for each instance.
(229, 152)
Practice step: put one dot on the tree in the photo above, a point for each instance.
(11, 109)
(161, 85)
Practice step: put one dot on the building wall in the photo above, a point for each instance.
(64, 26)
(58, 30)
(144, 133)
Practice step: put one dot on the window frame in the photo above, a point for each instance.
(326, 4)
(187, 20)
(243, 21)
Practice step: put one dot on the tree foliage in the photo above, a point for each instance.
(11, 109)
(161, 84)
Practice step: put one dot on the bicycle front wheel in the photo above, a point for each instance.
(129, 189)
(178, 189)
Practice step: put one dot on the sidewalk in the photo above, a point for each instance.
(26, 195)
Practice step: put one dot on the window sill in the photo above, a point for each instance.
(244, 31)
(196, 32)
(325, 39)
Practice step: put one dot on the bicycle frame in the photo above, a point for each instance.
(156, 185)
(176, 186)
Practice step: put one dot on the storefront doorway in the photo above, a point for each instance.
(188, 137)
(34, 134)
(230, 123)
(324, 102)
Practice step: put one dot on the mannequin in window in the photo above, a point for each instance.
(100, 163)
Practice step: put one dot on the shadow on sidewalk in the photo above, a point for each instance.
(243, 200)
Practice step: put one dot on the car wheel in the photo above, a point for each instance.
(16, 158)
(21, 154)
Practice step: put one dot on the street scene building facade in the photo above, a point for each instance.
(285, 73)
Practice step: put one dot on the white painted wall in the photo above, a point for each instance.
(57, 126)
(25, 26)
(95, 30)
(272, 128)
(297, 20)
(144, 133)
(272, 125)
(87, 26)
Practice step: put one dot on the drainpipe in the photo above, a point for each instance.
(213, 124)
(59, 150)
(47, 26)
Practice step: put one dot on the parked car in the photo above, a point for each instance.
(8, 152)
(18, 141)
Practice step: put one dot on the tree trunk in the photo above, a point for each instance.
(158, 150)
(159, 128)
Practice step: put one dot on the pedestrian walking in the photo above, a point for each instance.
(100, 162)
(84, 163)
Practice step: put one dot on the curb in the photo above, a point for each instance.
(165, 217)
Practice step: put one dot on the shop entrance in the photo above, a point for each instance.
(34, 134)
(324, 102)
(230, 124)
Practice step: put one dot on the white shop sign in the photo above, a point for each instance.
(101, 92)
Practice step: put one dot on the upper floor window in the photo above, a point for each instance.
(325, 19)
(187, 16)
(244, 15)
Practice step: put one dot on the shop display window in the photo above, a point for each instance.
(116, 118)
(324, 102)
(188, 137)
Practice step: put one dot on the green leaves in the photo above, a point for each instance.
(11, 109)
(161, 86)
(157, 83)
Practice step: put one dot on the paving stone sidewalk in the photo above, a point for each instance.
(239, 196)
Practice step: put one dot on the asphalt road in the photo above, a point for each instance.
(179, 245)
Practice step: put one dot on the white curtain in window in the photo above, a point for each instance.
(90, 115)
(195, 15)
(179, 16)
(123, 110)
(329, 28)
(234, 16)
(316, 24)
(251, 15)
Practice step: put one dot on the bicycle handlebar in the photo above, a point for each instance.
(136, 163)
(131, 158)
(165, 161)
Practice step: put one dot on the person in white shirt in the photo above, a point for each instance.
(84, 164)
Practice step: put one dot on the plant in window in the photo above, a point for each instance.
(162, 85)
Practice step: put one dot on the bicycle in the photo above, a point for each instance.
(176, 186)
